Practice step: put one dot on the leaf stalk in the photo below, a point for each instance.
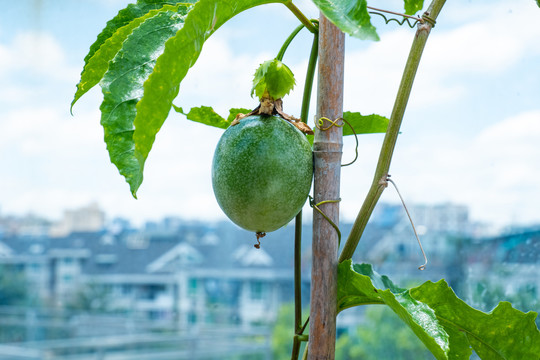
(387, 150)
(300, 16)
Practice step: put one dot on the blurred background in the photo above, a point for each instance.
(88, 272)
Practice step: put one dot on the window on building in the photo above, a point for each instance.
(192, 287)
(257, 289)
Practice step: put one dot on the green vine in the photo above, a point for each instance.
(385, 157)
(304, 113)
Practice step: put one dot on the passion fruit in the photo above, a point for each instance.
(261, 172)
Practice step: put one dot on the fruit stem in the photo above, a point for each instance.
(381, 173)
(300, 16)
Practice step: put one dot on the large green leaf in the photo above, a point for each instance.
(503, 333)
(206, 115)
(351, 16)
(98, 64)
(105, 48)
(448, 327)
(180, 53)
(122, 85)
(413, 6)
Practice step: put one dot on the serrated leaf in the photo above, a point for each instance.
(448, 327)
(122, 85)
(274, 78)
(413, 6)
(351, 16)
(503, 333)
(206, 115)
(180, 53)
(98, 64)
(93, 67)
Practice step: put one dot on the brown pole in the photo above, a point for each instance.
(327, 148)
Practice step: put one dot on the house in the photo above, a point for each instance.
(508, 263)
(198, 274)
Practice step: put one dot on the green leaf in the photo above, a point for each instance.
(235, 111)
(362, 124)
(448, 327)
(503, 333)
(122, 85)
(351, 16)
(110, 40)
(413, 6)
(180, 54)
(273, 77)
(98, 64)
(538, 3)
(206, 115)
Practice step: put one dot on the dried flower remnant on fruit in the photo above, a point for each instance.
(276, 107)
(259, 235)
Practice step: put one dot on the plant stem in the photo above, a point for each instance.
(303, 19)
(298, 273)
(385, 157)
(298, 326)
(288, 42)
(310, 75)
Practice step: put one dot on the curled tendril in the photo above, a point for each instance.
(411, 21)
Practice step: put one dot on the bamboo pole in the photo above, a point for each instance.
(327, 148)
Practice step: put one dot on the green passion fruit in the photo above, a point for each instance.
(261, 172)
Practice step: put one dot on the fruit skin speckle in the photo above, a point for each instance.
(262, 172)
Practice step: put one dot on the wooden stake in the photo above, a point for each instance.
(327, 149)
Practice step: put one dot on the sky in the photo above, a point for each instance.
(471, 132)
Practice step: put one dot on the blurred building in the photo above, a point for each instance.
(199, 275)
(86, 219)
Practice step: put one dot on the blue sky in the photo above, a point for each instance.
(470, 135)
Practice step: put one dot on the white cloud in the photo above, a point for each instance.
(37, 54)
(51, 161)
(475, 45)
(494, 173)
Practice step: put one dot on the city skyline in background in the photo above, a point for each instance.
(469, 136)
